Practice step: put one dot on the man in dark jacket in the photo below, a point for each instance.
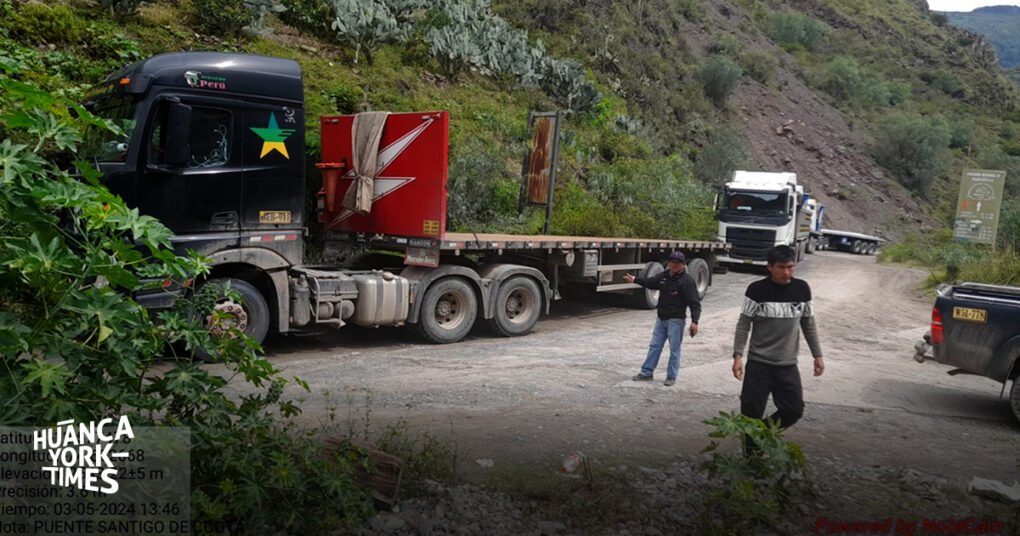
(677, 293)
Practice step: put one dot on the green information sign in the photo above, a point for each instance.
(977, 211)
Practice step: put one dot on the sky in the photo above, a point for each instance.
(967, 5)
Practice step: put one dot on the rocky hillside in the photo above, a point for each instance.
(877, 105)
(998, 24)
(787, 106)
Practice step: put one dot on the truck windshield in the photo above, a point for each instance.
(101, 144)
(755, 203)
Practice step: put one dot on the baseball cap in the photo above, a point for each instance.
(677, 256)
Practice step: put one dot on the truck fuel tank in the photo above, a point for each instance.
(382, 299)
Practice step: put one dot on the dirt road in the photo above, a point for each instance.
(523, 402)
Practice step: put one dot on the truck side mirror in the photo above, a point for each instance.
(178, 147)
(715, 203)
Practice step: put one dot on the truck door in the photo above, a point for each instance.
(199, 199)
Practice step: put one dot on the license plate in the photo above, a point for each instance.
(970, 315)
(274, 216)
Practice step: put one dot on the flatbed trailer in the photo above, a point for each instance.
(216, 154)
(850, 242)
(599, 262)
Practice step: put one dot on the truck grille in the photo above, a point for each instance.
(751, 244)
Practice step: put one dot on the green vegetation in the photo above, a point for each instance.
(999, 25)
(792, 30)
(719, 76)
(76, 346)
(754, 490)
(913, 147)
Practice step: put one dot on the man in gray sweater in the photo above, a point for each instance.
(775, 311)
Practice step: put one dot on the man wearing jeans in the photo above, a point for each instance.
(677, 293)
(775, 311)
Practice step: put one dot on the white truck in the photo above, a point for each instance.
(759, 210)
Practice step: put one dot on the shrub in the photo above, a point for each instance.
(725, 44)
(476, 171)
(760, 66)
(37, 23)
(913, 148)
(75, 344)
(724, 154)
(313, 17)
(346, 100)
(795, 29)
(754, 490)
(121, 9)
(221, 17)
(848, 80)
(718, 77)
(948, 84)
(961, 132)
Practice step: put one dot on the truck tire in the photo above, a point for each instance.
(698, 269)
(517, 307)
(448, 311)
(250, 316)
(646, 298)
(872, 248)
(856, 247)
(811, 246)
(1014, 397)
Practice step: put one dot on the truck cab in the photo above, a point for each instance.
(760, 210)
(212, 145)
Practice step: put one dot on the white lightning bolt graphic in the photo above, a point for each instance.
(384, 186)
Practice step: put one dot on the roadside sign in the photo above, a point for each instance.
(977, 210)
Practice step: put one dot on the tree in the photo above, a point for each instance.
(719, 76)
(913, 148)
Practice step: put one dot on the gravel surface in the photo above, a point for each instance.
(884, 437)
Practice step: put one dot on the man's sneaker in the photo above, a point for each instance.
(642, 378)
(669, 382)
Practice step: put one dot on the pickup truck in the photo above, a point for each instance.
(976, 328)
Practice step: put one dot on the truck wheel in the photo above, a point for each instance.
(1014, 397)
(517, 307)
(872, 248)
(448, 311)
(698, 269)
(250, 316)
(646, 298)
(856, 247)
(811, 246)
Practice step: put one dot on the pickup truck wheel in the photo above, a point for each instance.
(698, 269)
(646, 298)
(517, 307)
(250, 316)
(1014, 397)
(448, 311)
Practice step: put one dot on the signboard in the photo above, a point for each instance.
(977, 210)
(542, 160)
(540, 166)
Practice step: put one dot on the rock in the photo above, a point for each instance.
(993, 489)
(485, 462)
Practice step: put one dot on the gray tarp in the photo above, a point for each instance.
(367, 131)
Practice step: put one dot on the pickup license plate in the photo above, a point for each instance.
(970, 315)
